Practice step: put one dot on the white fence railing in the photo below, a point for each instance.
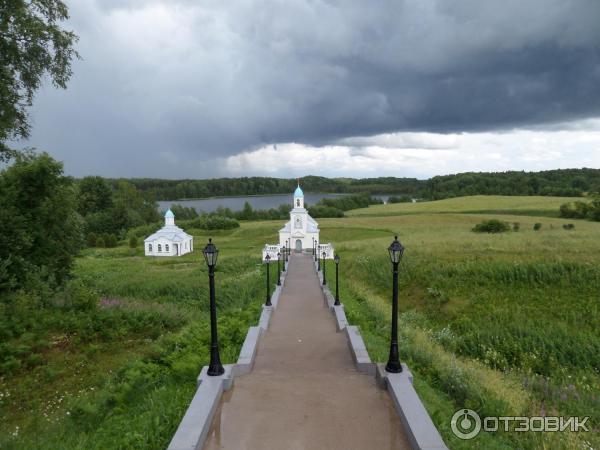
(273, 249)
(327, 249)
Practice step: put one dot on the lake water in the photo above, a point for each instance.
(257, 201)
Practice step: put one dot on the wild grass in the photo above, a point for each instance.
(504, 324)
(117, 388)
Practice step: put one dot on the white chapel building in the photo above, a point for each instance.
(170, 240)
(300, 232)
(301, 229)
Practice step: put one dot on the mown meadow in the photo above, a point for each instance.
(505, 324)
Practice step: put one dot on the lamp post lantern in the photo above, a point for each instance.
(337, 292)
(268, 302)
(396, 250)
(284, 257)
(324, 265)
(211, 253)
(278, 269)
(318, 258)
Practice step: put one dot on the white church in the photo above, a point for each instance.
(170, 240)
(300, 233)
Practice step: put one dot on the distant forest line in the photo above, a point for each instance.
(561, 182)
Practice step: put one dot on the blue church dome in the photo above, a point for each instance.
(298, 192)
(169, 214)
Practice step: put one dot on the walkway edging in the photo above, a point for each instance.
(420, 429)
(195, 424)
(193, 428)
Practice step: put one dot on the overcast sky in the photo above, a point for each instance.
(182, 88)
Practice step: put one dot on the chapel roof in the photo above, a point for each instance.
(169, 232)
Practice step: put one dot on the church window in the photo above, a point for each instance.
(159, 248)
(297, 202)
(149, 247)
(166, 247)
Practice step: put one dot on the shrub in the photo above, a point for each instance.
(100, 242)
(537, 226)
(76, 296)
(91, 239)
(184, 212)
(325, 211)
(516, 226)
(133, 242)
(568, 226)
(578, 210)
(214, 222)
(348, 202)
(491, 226)
(110, 240)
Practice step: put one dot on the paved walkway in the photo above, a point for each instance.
(304, 391)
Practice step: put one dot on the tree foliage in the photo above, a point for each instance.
(113, 211)
(581, 210)
(95, 195)
(563, 182)
(32, 46)
(40, 229)
(184, 212)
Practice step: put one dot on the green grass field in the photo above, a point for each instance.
(505, 324)
(476, 204)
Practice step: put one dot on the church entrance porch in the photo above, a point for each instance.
(298, 246)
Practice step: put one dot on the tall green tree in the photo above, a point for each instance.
(40, 229)
(32, 46)
(95, 195)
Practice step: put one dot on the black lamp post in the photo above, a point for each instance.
(268, 302)
(318, 259)
(284, 257)
(210, 255)
(278, 269)
(313, 247)
(324, 265)
(289, 246)
(396, 251)
(315, 252)
(337, 292)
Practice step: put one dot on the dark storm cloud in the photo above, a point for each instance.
(164, 83)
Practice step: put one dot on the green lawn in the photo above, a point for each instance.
(505, 324)
(478, 204)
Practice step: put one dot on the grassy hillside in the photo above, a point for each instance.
(505, 324)
(476, 204)
(103, 379)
